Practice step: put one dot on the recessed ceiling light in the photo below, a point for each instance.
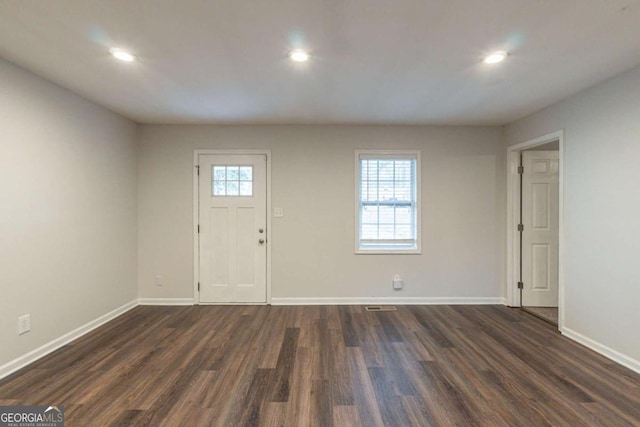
(495, 57)
(122, 55)
(299, 55)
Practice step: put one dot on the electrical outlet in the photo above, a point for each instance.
(24, 324)
(398, 283)
(278, 212)
(159, 281)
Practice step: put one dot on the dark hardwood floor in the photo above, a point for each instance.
(550, 314)
(329, 365)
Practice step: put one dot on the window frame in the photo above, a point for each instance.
(410, 154)
(239, 180)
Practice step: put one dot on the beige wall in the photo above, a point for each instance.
(602, 206)
(463, 200)
(68, 211)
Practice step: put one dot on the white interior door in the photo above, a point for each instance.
(233, 232)
(540, 235)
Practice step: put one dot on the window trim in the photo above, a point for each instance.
(412, 154)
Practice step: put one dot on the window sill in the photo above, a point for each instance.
(388, 252)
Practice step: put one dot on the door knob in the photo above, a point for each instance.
(261, 241)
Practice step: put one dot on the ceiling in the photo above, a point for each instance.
(373, 61)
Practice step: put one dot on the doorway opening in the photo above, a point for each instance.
(535, 220)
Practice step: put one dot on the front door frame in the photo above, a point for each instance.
(196, 215)
(513, 216)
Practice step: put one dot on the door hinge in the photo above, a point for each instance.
(520, 285)
(520, 227)
(520, 170)
(198, 286)
(198, 169)
(198, 228)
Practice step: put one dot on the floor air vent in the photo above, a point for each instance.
(381, 308)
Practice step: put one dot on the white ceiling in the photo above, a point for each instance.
(374, 61)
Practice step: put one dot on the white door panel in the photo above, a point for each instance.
(233, 235)
(540, 206)
(246, 244)
(219, 244)
(540, 235)
(540, 280)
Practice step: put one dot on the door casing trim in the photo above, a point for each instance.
(513, 213)
(196, 214)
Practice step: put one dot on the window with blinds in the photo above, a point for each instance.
(388, 209)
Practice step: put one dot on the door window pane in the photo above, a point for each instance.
(232, 180)
(219, 188)
(246, 188)
(219, 173)
(246, 173)
(233, 173)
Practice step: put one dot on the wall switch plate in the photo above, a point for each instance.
(159, 281)
(24, 324)
(278, 212)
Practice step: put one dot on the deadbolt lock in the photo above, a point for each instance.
(261, 230)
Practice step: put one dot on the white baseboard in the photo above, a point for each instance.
(390, 300)
(165, 301)
(612, 354)
(32, 356)
(232, 303)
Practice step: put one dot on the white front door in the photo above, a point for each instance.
(233, 232)
(540, 235)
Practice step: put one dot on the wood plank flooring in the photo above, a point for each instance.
(549, 314)
(328, 365)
